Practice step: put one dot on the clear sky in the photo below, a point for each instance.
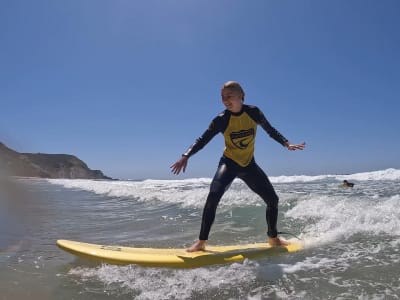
(127, 86)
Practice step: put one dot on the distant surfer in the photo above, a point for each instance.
(347, 184)
(238, 124)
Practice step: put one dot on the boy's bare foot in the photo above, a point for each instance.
(200, 245)
(275, 242)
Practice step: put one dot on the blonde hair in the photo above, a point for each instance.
(234, 86)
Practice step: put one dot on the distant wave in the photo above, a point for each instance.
(388, 174)
(187, 192)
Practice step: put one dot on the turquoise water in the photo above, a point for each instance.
(351, 238)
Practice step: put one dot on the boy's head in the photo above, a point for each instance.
(233, 86)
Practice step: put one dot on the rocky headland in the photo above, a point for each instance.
(44, 165)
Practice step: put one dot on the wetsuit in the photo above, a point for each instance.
(239, 130)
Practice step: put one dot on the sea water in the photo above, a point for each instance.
(351, 238)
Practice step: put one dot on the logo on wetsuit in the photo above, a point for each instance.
(242, 138)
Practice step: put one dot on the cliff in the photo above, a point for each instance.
(45, 165)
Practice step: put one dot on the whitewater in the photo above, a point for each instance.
(351, 238)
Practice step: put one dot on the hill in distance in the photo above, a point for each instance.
(45, 165)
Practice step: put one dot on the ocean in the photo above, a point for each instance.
(351, 238)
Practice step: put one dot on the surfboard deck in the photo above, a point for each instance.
(173, 258)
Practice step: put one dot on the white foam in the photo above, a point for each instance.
(193, 192)
(331, 218)
(299, 178)
(188, 193)
(156, 283)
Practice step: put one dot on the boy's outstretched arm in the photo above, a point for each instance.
(180, 165)
(293, 147)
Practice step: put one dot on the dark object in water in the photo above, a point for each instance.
(347, 184)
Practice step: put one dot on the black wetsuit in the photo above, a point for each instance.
(239, 130)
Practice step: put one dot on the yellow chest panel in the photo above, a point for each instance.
(239, 139)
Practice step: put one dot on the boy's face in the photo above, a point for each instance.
(232, 100)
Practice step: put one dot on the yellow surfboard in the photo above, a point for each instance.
(173, 258)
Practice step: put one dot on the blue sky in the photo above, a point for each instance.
(127, 86)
